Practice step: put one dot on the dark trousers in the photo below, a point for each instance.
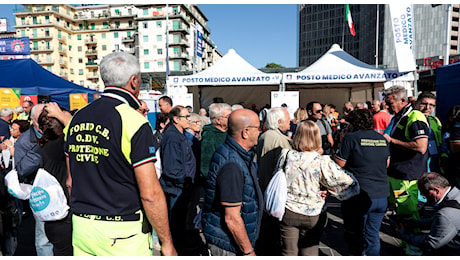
(269, 241)
(301, 234)
(59, 233)
(362, 217)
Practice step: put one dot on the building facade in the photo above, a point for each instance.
(320, 26)
(71, 40)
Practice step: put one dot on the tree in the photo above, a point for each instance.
(273, 66)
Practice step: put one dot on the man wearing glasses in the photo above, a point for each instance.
(315, 113)
(233, 205)
(426, 102)
(179, 166)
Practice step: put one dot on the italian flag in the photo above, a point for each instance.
(350, 21)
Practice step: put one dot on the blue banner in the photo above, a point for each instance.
(15, 46)
(199, 44)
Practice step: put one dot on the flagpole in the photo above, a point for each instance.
(343, 31)
(167, 51)
(377, 40)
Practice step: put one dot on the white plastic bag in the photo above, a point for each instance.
(16, 189)
(47, 199)
(276, 195)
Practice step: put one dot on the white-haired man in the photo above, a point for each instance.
(269, 147)
(408, 140)
(214, 134)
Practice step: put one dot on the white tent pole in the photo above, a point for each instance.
(448, 28)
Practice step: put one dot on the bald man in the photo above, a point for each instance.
(233, 204)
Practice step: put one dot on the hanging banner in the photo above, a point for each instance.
(10, 97)
(15, 46)
(3, 25)
(403, 32)
(199, 43)
(182, 99)
(78, 100)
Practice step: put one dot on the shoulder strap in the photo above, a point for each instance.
(450, 204)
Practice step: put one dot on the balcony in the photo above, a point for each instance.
(131, 51)
(63, 51)
(45, 61)
(63, 63)
(180, 29)
(91, 53)
(63, 74)
(121, 15)
(92, 76)
(62, 39)
(91, 17)
(90, 41)
(41, 36)
(41, 49)
(91, 64)
(180, 43)
(128, 39)
(177, 55)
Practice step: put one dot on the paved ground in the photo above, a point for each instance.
(332, 242)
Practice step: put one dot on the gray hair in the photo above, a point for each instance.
(36, 111)
(216, 110)
(398, 92)
(237, 106)
(195, 117)
(117, 68)
(18, 109)
(273, 115)
(6, 112)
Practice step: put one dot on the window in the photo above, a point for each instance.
(34, 33)
(177, 65)
(160, 64)
(23, 21)
(23, 33)
(159, 37)
(80, 72)
(59, 34)
(80, 60)
(69, 36)
(34, 20)
(79, 48)
(70, 47)
(128, 34)
(117, 24)
(146, 52)
(81, 81)
(146, 65)
(49, 68)
(176, 25)
(79, 37)
(104, 47)
(158, 24)
(145, 11)
(35, 45)
(160, 51)
(105, 25)
(48, 45)
(80, 26)
(145, 38)
(145, 25)
(103, 35)
(71, 71)
(115, 35)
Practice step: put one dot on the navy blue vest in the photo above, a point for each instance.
(215, 229)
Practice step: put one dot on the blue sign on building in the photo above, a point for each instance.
(199, 44)
(15, 46)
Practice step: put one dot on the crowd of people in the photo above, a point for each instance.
(194, 183)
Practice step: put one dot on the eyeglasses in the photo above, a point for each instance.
(428, 104)
(196, 122)
(186, 117)
(318, 111)
(144, 110)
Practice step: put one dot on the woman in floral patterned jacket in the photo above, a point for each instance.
(308, 173)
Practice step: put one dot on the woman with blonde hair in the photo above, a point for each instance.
(308, 173)
(299, 115)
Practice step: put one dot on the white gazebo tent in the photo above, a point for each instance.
(338, 77)
(233, 79)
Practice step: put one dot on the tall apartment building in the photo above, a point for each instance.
(71, 40)
(322, 25)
